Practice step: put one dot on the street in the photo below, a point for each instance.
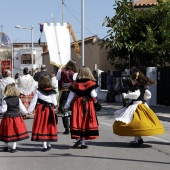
(108, 152)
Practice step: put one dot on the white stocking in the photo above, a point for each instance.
(137, 138)
(48, 143)
(44, 144)
(83, 141)
(14, 145)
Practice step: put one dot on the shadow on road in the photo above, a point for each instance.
(118, 144)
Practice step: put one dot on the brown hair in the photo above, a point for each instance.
(44, 81)
(71, 65)
(141, 79)
(11, 90)
(85, 73)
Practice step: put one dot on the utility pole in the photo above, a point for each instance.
(1, 35)
(82, 30)
(62, 12)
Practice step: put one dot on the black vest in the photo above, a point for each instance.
(12, 106)
(142, 92)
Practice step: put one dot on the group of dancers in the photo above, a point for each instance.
(77, 92)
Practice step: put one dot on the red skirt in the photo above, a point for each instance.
(13, 129)
(42, 129)
(84, 124)
(26, 99)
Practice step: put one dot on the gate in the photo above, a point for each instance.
(163, 85)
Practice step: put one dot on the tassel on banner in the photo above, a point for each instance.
(77, 49)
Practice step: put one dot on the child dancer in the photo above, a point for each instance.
(12, 127)
(44, 127)
(83, 124)
(137, 119)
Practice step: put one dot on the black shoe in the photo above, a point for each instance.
(5, 149)
(66, 132)
(84, 146)
(140, 141)
(44, 150)
(77, 143)
(13, 150)
(134, 143)
(48, 148)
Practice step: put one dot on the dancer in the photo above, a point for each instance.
(44, 127)
(137, 119)
(84, 124)
(65, 77)
(12, 127)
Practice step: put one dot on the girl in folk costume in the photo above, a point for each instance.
(65, 77)
(137, 119)
(12, 127)
(84, 124)
(44, 127)
(26, 86)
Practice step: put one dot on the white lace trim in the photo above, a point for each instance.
(27, 85)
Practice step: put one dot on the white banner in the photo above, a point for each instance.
(58, 41)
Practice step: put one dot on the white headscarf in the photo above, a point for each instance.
(27, 84)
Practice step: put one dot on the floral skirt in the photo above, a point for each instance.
(26, 99)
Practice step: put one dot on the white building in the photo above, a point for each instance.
(22, 57)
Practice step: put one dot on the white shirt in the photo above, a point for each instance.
(50, 99)
(3, 108)
(3, 83)
(54, 83)
(71, 96)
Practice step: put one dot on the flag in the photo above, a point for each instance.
(41, 27)
(41, 30)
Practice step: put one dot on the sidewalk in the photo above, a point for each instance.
(163, 112)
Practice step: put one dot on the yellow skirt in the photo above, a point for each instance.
(144, 123)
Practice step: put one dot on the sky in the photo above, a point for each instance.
(32, 12)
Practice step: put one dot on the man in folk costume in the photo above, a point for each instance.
(65, 77)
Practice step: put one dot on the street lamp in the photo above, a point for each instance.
(18, 26)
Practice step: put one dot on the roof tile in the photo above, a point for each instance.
(145, 3)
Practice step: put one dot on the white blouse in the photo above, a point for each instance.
(50, 99)
(3, 107)
(71, 96)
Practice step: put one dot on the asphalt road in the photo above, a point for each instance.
(108, 152)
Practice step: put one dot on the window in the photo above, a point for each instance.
(26, 59)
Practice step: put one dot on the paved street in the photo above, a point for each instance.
(108, 152)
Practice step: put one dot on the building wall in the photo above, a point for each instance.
(46, 61)
(25, 48)
(94, 56)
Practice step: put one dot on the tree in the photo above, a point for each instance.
(138, 37)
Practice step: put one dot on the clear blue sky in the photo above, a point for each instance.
(32, 12)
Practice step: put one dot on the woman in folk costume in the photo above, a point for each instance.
(12, 127)
(84, 124)
(44, 126)
(137, 119)
(26, 86)
(65, 77)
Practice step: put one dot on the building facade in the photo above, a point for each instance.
(22, 56)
